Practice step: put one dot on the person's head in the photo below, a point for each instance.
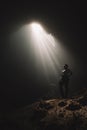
(66, 66)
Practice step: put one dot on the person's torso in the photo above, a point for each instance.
(66, 74)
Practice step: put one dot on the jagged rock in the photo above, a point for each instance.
(73, 106)
(83, 100)
(62, 104)
(45, 105)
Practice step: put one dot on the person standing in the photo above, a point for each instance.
(64, 81)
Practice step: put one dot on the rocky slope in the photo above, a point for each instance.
(54, 114)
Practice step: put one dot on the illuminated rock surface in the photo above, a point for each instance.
(54, 114)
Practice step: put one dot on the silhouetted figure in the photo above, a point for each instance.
(64, 81)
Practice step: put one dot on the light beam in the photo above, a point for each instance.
(48, 53)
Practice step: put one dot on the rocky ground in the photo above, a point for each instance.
(54, 114)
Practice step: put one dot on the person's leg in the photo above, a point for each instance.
(61, 89)
(66, 89)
